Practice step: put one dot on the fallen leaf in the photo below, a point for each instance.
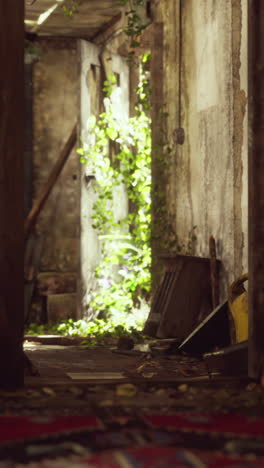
(183, 388)
(128, 390)
(251, 386)
(49, 391)
(160, 392)
(148, 375)
(106, 403)
(148, 364)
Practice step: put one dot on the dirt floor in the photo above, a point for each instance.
(155, 380)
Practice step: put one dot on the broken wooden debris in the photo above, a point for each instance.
(95, 375)
(213, 332)
(183, 298)
(31, 219)
(33, 252)
(214, 270)
(230, 361)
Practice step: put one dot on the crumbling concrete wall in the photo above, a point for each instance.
(56, 93)
(205, 92)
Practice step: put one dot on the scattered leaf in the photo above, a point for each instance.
(148, 375)
(183, 387)
(251, 386)
(49, 391)
(148, 364)
(106, 403)
(127, 390)
(160, 392)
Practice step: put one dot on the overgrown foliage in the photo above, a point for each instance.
(119, 158)
(136, 23)
(70, 7)
(32, 50)
(97, 332)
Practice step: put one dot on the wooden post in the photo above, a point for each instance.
(28, 143)
(11, 192)
(159, 179)
(256, 188)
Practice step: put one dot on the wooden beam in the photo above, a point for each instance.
(107, 30)
(159, 179)
(40, 201)
(256, 187)
(11, 192)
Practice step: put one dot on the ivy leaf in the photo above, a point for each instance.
(111, 133)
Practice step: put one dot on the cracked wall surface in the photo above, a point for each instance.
(207, 182)
(55, 101)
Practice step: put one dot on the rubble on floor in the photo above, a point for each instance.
(167, 401)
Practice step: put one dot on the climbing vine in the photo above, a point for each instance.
(118, 156)
(136, 23)
(70, 7)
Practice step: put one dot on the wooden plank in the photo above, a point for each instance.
(28, 151)
(11, 192)
(256, 188)
(31, 267)
(214, 272)
(188, 300)
(158, 173)
(40, 201)
(86, 22)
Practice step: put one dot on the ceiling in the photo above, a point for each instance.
(46, 17)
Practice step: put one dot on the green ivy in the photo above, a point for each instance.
(70, 7)
(32, 49)
(97, 332)
(123, 275)
(135, 24)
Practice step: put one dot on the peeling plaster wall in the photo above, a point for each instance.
(207, 183)
(211, 166)
(56, 91)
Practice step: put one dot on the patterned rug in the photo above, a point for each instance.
(131, 441)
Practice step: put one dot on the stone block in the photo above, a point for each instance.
(61, 307)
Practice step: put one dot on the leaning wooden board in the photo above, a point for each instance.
(183, 299)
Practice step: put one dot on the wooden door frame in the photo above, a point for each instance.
(11, 193)
(256, 187)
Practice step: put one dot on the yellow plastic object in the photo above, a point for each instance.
(238, 306)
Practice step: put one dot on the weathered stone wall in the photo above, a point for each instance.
(205, 92)
(56, 109)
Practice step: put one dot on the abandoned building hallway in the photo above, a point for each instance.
(131, 233)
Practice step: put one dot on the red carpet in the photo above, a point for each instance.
(15, 428)
(168, 457)
(208, 423)
(139, 441)
(151, 457)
